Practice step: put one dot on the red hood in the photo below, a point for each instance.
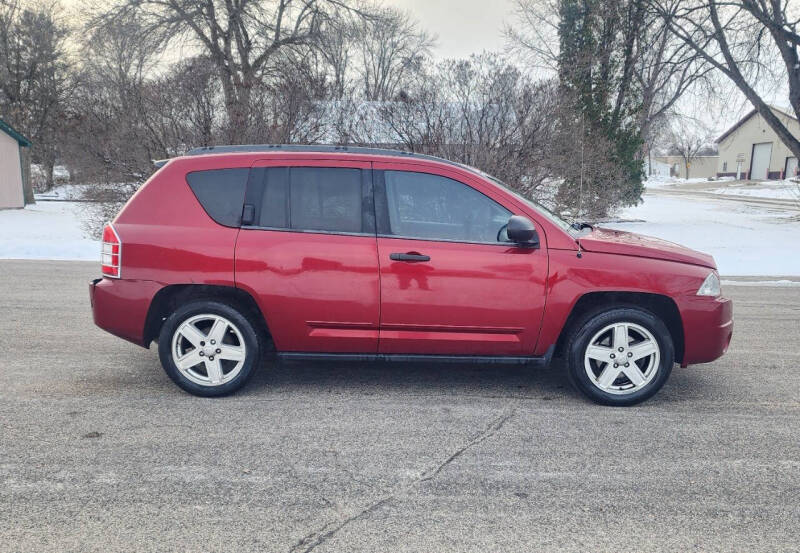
(628, 243)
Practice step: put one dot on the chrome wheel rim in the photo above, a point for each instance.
(622, 358)
(208, 350)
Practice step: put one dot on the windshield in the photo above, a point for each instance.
(536, 206)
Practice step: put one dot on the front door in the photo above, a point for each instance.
(308, 254)
(450, 283)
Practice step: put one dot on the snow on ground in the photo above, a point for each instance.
(46, 230)
(744, 240)
(779, 190)
(661, 181)
(63, 192)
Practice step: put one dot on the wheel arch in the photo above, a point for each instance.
(660, 305)
(168, 298)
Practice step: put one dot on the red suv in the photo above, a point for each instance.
(362, 254)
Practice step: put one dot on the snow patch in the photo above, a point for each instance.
(780, 190)
(46, 230)
(662, 181)
(744, 239)
(63, 192)
(760, 283)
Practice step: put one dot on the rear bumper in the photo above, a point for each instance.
(120, 306)
(707, 328)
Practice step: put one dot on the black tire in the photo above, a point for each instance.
(243, 324)
(589, 326)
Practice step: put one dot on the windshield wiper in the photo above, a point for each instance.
(579, 225)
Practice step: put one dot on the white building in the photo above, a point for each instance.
(751, 149)
(13, 167)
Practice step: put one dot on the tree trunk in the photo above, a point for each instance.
(48, 165)
(736, 76)
(237, 106)
(27, 186)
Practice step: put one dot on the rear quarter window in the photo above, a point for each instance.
(221, 193)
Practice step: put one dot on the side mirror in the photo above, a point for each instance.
(522, 231)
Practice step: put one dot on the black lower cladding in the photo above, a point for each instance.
(542, 360)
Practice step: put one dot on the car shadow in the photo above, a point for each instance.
(490, 381)
(417, 378)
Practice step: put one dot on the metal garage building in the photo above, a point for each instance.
(14, 167)
(751, 149)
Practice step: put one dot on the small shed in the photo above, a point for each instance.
(751, 149)
(14, 167)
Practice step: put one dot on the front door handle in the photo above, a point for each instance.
(412, 257)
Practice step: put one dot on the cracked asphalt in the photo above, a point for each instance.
(99, 451)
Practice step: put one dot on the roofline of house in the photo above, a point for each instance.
(15, 134)
(752, 112)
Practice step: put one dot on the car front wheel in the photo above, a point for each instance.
(208, 348)
(621, 356)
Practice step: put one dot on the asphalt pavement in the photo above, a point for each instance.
(100, 451)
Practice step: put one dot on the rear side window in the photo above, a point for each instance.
(325, 199)
(221, 193)
(328, 199)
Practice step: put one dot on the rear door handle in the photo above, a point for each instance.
(411, 257)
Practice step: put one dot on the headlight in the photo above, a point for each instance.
(710, 286)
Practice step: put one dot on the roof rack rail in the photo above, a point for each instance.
(320, 148)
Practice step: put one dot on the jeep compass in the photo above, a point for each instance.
(365, 254)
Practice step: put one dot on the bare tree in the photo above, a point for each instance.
(667, 68)
(336, 46)
(289, 106)
(244, 39)
(747, 41)
(111, 123)
(486, 113)
(482, 112)
(184, 105)
(35, 78)
(391, 46)
(688, 139)
(534, 36)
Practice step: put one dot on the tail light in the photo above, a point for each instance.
(111, 253)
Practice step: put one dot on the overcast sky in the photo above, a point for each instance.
(463, 27)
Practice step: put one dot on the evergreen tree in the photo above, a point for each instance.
(598, 46)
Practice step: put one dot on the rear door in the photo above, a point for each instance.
(450, 282)
(308, 254)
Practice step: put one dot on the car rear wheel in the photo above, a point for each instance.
(208, 348)
(621, 356)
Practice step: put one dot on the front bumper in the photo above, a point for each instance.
(120, 306)
(707, 328)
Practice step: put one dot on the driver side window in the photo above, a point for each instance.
(432, 207)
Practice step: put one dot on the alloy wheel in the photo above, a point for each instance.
(208, 349)
(622, 358)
